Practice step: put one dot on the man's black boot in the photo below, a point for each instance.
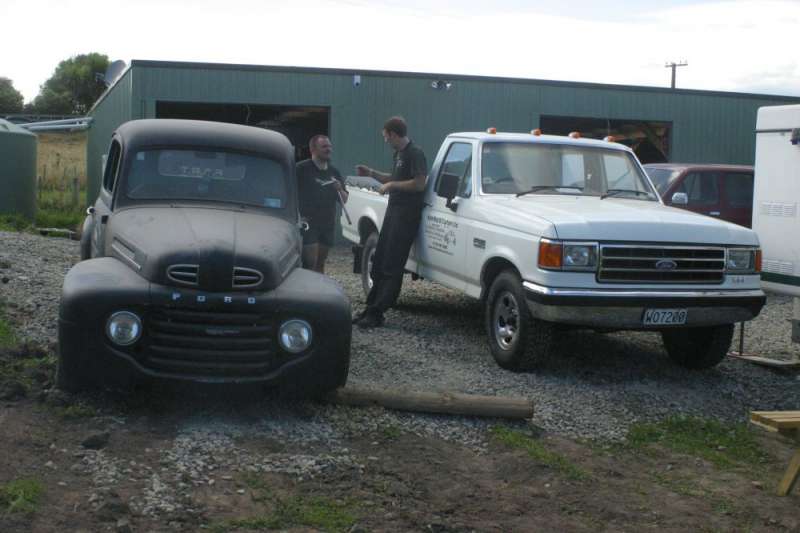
(371, 320)
(359, 316)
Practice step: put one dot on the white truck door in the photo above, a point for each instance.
(441, 244)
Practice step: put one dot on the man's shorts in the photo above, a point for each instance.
(321, 229)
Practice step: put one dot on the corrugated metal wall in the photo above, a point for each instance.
(706, 127)
(112, 110)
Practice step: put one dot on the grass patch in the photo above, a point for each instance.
(724, 445)
(7, 336)
(75, 411)
(536, 450)
(320, 513)
(14, 222)
(21, 495)
(391, 432)
(55, 209)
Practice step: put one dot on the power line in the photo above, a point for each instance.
(673, 65)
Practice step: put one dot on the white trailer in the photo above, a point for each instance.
(775, 202)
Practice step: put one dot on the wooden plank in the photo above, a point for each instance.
(777, 419)
(790, 477)
(445, 403)
(763, 426)
(764, 361)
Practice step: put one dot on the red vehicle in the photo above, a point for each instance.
(720, 191)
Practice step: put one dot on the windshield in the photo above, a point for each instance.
(514, 168)
(183, 174)
(662, 177)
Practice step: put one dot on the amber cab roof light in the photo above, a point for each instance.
(574, 135)
(610, 139)
(536, 132)
(491, 131)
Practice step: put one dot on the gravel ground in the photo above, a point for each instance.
(434, 341)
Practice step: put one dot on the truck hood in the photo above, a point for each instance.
(618, 219)
(211, 242)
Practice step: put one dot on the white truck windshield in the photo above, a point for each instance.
(522, 168)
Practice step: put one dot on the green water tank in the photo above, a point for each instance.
(17, 170)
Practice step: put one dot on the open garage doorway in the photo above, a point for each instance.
(298, 123)
(649, 140)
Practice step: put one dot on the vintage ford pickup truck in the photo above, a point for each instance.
(190, 267)
(557, 232)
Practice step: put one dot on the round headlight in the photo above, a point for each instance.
(295, 335)
(124, 328)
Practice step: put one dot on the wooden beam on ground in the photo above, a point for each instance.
(764, 361)
(790, 477)
(451, 403)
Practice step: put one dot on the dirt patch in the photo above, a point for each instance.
(169, 465)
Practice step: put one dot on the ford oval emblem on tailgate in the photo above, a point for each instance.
(666, 264)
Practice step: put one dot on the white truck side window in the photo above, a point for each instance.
(458, 162)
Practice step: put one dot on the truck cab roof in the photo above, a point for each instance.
(531, 138)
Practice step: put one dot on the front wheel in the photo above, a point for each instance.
(517, 340)
(367, 256)
(698, 348)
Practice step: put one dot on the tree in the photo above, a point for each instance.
(10, 99)
(74, 86)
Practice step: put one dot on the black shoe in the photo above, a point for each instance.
(359, 316)
(371, 321)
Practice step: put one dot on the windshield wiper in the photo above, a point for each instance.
(617, 192)
(538, 188)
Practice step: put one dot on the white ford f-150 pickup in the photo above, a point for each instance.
(559, 232)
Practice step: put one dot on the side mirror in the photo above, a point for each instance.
(448, 187)
(680, 198)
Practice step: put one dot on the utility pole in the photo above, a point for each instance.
(673, 65)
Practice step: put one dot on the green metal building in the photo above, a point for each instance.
(350, 106)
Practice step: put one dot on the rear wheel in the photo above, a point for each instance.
(698, 348)
(517, 340)
(367, 256)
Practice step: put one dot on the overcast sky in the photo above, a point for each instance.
(733, 45)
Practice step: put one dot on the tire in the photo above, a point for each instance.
(698, 348)
(517, 340)
(366, 262)
(317, 387)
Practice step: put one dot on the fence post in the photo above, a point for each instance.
(75, 189)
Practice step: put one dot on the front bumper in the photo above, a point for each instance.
(624, 308)
(196, 335)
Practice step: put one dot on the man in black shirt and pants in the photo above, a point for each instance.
(405, 187)
(318, 185)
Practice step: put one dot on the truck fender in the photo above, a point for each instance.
(499, 261)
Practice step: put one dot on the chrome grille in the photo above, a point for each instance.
(246, 277)
(184, 274)
(209, 343)
(661, 264)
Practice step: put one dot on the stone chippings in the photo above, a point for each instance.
(435, 341)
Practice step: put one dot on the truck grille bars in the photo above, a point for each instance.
(661, 264)
(184, 274)
(205, 343)
(189, 275)
(246, 277)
